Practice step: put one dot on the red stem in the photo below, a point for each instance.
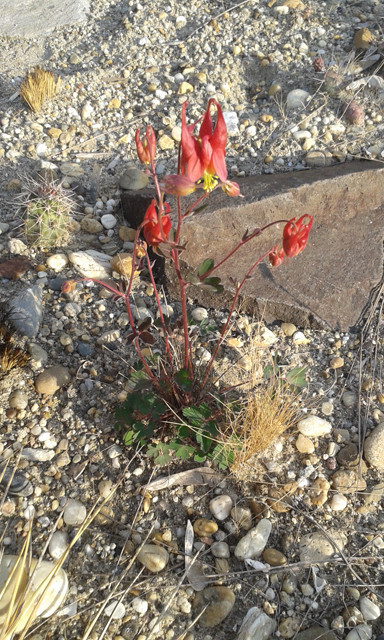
(168, 353)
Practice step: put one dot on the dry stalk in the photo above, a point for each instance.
(40, 85)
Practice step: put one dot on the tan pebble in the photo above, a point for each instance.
(165, 142)
(288, 328)
(54, 133)
(218, 603)
(294, 4)
(347, 481)
(122, 263)
(304, 444)
(115, 103)
(266, 117)
(52, 379)
(319, 492)
(91, 225)
(242, 517)
(185, 87)
(126, 234)
(362, 38)
(278, 501)
(274, 558)
(336, 362)
(204, 527)
(176, 133)
(268, 159)
(153, 557)
(289, 627)
(273, 89)
(221, 565)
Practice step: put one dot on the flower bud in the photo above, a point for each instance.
(146, 149)
(231, 188)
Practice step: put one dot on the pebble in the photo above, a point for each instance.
(91, 264)
(299, 338)
(338, 502)
(153, 557)
(114, 451)
(316, 547)
(349, 399)
(58, 544)
(20, 485)
(274, 558)
(52, 379)
(91, 225)
(133, 179)
(374, 447)
(336, 362)
(140, 606)
(105, 488)
(232, 121)
(199, 314)
(220, 549)
(289, 627)
(221, 506)
(314, 426)
(363, 38)
(71, 169)
(203, 527)
(318, 159)
(74, 513)
(369, 609)
(304, 444)
(256, 626)
(37, 455)
(316, 633)
(327, 408)
(288, 328)
(115, 610)
(348, 481)
(18, 399)
(108, 220)
(219, 603)
(85, 349)
(57, 261)
(254, 542)
(26, 311)
(360, 632)
(297, 98)
(242, 516)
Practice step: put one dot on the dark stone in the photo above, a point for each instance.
(134, 205)
(56, 283)
(316, 633)
(19, 486)
(327, 285)
(85, 349)
(26, 311)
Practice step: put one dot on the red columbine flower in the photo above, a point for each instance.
(151, 230)
(276, 256)
(295, 235)
(177, 185)
(146, 149)
(204, 156)
(231, 188)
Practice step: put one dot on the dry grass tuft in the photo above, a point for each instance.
(40, 85)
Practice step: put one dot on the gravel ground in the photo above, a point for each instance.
(129, 65)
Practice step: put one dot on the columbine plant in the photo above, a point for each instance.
(173, 390)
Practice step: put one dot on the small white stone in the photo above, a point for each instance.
(58, 544)
(256, 625)
(268, 336)
(115, 610)
(114, 451)
(301, 135)
(338, 502)
(108, 221)
(231, 120)
(105, 488)
(74, 513)
(57, 262)
(314, 426)
(369, 609)
(221, 506)
(299, 338)
(253, 544)
(199, 314)
(140, 606)
(297, 98)
(282, 10)
(361, 632)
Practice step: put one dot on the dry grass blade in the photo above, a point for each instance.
(40, 85)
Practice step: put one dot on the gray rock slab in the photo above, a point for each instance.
(329, 283)
(26, 311)
(31, 18)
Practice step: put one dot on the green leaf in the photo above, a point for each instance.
(199, 456)
(297, 377)
(184, 452)
(183, 380)
(129, 437)
(193, 279)
(212, 284)
(194, 415)
(270, 371)
(205, 266)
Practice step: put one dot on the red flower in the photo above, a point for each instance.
(231, 188)
(146, 149)
(204, 156)
(152, 230)
(295, 235)
(177, 185)
(276, 256)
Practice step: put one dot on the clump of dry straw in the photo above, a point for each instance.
(40, 85)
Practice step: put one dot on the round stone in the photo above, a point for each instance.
(288, 328)
(57, 261)
(52, 379)
(153, 557)
(108, 221)
(220, 550)
(74, 513)
(253, 544)
(58, 544)
(18, 399)
(374, 447)
(91, 225)
(274, 558)
(336, 362)
(299, 338)
(140, 606)
(115, 610)
(242, 517)
(338, 502)
(360, 632)
(204, 527)
(199, 314)
(133, 179)
(348, 481)
(221, 506)
(105, 488)
(349, 399)
(369, 609)
(304, 444)
(297, 99)
(289, 627)
(314, 426)
(217, 602)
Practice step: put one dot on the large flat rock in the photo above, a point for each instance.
(329, 284)
(31, 18)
